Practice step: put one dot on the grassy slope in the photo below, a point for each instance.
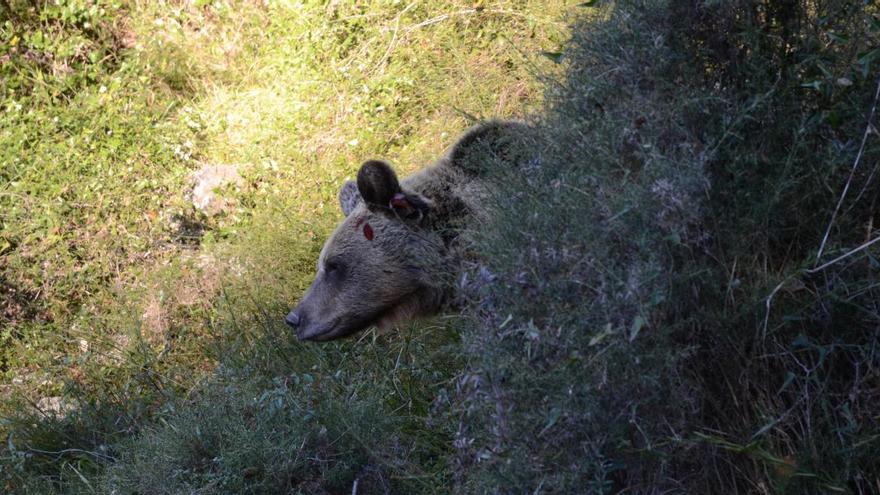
(618, 338)
(112, 302)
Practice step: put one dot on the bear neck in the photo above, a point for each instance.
(447, 190)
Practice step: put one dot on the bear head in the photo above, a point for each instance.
(382, 265)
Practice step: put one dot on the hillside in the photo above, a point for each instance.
(679, 295)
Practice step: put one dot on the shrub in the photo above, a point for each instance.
(652, 312)
(576, 383)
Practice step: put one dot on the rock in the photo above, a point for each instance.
(55, 406)
(206, 182)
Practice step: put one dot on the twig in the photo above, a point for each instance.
(391, 45)
(867, 181)
(742, 116)
(502, 12)
(439, 18)
(769, 301)
(849, 253)
(59, 453)
(83, 478)
(852, 172)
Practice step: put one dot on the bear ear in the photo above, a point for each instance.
(377, 183)
(349, 197)
(410, 206)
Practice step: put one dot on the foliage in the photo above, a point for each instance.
(576, 381)
(788, 398)
(281, 417)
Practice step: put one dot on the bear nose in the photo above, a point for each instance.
(293, 319)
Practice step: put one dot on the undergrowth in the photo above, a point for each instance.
(680, 294)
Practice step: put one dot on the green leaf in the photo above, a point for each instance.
(764, 429)
(801, 341)
(551, 420)
(505, 322)
(637, 326)
(590, 3)
(533, 333)
(556, 57)
(834, 119)
(868, 58)
(789, 377)
(608, 330)
(838, 38)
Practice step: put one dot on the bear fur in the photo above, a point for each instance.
(396, 254)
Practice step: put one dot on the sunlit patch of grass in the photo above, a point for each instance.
(398, 82)
(126, 298)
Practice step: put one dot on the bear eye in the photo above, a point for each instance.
(332, 266)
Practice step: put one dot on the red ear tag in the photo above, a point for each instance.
(368, 232)
(399, 201)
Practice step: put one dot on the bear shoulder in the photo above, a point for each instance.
(495, 143)
(457, 183)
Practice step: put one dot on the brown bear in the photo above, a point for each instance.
(397, 253)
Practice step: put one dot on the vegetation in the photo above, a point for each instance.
(690, 303)
(678, 294)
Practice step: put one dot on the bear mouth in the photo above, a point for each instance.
(337, 329)
(385, 318)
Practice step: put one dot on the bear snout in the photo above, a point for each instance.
(304, 330)
(293, 319)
